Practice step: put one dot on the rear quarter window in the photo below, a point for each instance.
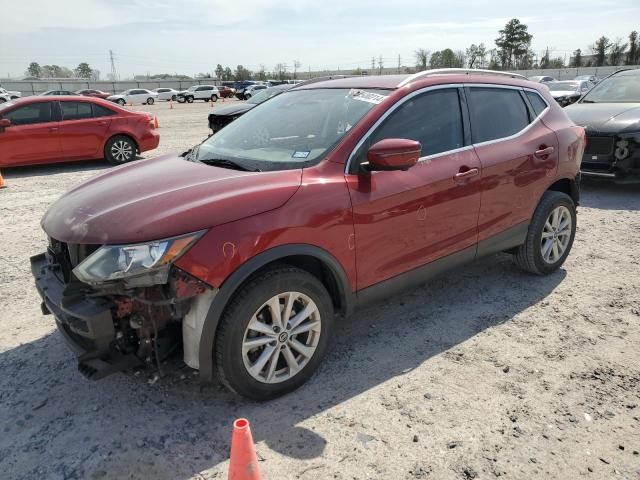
(536, 101)
(496, 113)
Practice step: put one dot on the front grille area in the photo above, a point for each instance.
(68, 255)
(599, 146)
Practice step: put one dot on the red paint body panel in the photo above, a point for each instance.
(163, 197)
(406, 219)
(72, 140)
(318, 214)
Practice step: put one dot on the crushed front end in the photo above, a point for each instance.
(119, 323)
(613, 156)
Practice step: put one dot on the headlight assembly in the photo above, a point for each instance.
(147, 262)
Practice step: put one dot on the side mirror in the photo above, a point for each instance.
(394, 154)
(5, 122)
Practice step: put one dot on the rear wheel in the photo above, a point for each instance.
(120, 149)
(550, 236)
(274, 333)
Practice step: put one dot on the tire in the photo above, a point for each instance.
(247, 96)
(2, 100)
(214, 98)
(120, 149)
(189, 99)
(150, 101)
(250, 306)
(121, 101)
(173, 98)
(543, 256)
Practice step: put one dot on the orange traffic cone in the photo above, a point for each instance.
(2, 184)
(156, 124)
(170, 104)
(244, 462)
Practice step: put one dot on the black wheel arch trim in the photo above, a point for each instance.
(242, 273)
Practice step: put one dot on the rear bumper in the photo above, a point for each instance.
(86, 324)
(149, 141)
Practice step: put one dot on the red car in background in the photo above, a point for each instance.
(226, 92)
(39, 130)
(93, 93)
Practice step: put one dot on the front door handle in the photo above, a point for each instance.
(53, 129)
(543, 153)
(463, 175)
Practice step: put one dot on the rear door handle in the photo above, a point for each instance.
(472, 172)
(543, 153)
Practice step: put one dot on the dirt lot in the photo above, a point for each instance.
(485, 373)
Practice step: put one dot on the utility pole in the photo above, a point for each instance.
(398, 63)
(373, 64)
(114, 72)
(380, 64)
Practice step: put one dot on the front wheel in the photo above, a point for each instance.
(119, 149)
(550, 236)
(150, 101)
(122, 102)
(247, 96)
(189, 99)
(274, 333)
(214, 98)
(173, 98)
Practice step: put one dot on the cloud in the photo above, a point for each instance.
(483, 24)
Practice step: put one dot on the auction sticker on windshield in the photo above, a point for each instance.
(369, 97)
(301, 154)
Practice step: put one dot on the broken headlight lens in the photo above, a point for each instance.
(116, 262)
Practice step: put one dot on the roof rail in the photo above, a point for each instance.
(322, 79)
(462, 71)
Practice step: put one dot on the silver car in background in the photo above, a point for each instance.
(567, 92)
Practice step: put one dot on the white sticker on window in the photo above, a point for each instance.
(301, 154)
(368, 97)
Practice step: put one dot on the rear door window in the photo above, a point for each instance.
(76, 110)
(496, 113)
(100, 111)
(30, 114)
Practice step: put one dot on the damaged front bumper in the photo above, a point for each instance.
(86, 324)
(112, 327)
(614, 157)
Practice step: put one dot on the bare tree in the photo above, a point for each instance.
(422, 59)
(296, 66)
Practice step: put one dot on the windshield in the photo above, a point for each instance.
(562, 86)
(619, 89)
(292, 130)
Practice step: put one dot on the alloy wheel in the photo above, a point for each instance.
(281, 338)
(556, 234)
(122, 151)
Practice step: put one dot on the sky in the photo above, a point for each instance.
(192, 36)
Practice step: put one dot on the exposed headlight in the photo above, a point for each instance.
(118, 262)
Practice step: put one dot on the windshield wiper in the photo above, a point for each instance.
(221, 162)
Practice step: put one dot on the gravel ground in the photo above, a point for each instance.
(487, 372)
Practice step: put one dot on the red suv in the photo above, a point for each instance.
(38, 130)
(246, 249)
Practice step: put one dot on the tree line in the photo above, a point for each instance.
(83, 70)
(513, 51)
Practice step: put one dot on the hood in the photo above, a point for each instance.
(163, 197)
(115, 96)
(231, 110)
(606, 117)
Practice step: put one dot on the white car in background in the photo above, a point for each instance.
(133, 96)
(6, 95)
(251, 90)
(165, 93)
(199, 92)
